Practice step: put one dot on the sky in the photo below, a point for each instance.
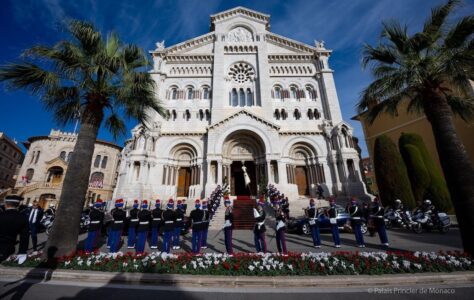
(344, 25)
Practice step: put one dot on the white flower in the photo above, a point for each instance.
(251, 268)
(184, 267)
(125, 264)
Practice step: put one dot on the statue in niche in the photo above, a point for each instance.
(246, 176)
(239, 34)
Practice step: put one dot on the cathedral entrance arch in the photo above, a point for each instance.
(184, 161)
(304, 170)
(244, 163)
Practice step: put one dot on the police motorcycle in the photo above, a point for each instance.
(401, 219)
(46, 223)
(430, 219)
(48, 220)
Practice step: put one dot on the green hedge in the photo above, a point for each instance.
(391, 173)
(435, 189)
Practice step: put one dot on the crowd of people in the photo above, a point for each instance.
(146, 224)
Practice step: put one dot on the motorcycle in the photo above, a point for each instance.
(429, 221)
(401, 219)
(46, 223)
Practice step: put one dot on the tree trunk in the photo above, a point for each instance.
(65, 232)
(457, 167)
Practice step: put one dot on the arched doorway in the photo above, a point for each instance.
(46, 199)
(184, 162)
(304, 170)
(243, 153)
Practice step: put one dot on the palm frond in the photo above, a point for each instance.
(85, 33)
(381, 54)
(463, 107)
(396, 33)
(437, 20)
(458, 35)
(115, 125)
(28, 76)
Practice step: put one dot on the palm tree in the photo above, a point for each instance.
(98, 78)
(431, 70)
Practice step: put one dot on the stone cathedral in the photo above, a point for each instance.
(241, 101)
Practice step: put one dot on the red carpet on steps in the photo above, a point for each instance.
(243, 212)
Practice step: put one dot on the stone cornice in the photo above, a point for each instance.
(187, 133)
(191, 58)
(255, 15)
(289, 43)
(248, 113)
(300, 132)
(187, 45)
(272, 58)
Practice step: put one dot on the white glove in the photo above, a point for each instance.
(21, 258)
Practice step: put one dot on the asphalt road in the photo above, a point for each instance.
(11, 288)
(243, 241)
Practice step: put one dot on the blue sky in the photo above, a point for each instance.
(343, 24)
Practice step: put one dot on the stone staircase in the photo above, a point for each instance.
(217, 222)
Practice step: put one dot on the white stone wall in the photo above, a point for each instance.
(240, 36)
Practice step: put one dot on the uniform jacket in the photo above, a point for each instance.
(144, 220)
(119, 216)
(156, 217)
(197, 217)
(179, 217)
(356, 214)
(169, 218)
(39, 216)
(133, 217)
(96, 219)
(12, 224)
(260, 228)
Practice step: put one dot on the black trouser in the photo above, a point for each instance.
(6, 249)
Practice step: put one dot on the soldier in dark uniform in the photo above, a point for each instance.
(377, 215)
(178, 226)
(119, 216)
(169, 218)
(356, 215)
(228, 226)
(96, 217)
(196, 218)
(312, 217)
(280, 218)
(259, 227)
(155, 224)
(12, 224)
(132, 225)
(144, 218)
(205, 225)
(332, 215)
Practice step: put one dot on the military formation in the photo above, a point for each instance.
(143, 223)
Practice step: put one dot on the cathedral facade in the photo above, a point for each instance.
(244, 106)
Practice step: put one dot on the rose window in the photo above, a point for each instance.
(241, 73)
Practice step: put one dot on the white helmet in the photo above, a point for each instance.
(51, 206)
(428, 202)
(398, 201)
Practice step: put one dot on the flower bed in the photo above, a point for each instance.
(323, 263)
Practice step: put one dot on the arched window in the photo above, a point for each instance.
(201, 115)
(168, 115)
(310, 114)
(241, 97)
(32, 156)
(189, 93)
(293, 92)
(29, 174)
(37, 156)
(277, 92)
(104, 162)
(317, 115)
(284, 115)
(205, 93)
(97, 161)
(174, 93)
(97, 180)
(235, 99)
(310, 93)
(208, 115)
(174, 114)
(277, 114)
(297, 114)
(187, 115)
(62, 155)
(249, 98)
(346, 138)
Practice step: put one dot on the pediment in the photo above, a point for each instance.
(201, 44)
(245, 116)
(57, 162)
(278, 44)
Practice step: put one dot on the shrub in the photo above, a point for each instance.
(436, 190)
(391, 173)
